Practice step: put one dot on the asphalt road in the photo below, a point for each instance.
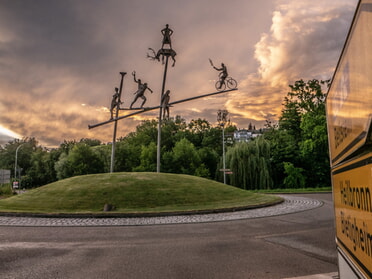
(282, 246)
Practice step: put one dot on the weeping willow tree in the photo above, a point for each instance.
(250, 164)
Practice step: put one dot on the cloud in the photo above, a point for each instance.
(56, 55)
(306, 39)
(304, 42)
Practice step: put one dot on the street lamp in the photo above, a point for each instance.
(222, 119)
(15, 164)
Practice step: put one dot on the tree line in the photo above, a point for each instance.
(292, 153)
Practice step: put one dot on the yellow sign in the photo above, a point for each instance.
(352, 189)
(349, 101)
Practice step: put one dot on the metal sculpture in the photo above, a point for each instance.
(140, 93)
(166, 51)
(165, 104)
(224, 79)
(167, 33)
(115, 102)
(163, 52)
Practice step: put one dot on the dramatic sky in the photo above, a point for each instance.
(60, 60)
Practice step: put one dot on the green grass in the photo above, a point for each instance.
(133, 193)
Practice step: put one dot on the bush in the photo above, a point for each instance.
(5, 189)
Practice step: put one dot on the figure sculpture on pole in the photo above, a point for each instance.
(165, 104)
(164, 52)
(115, 102)
(140, 93)
(167, 33)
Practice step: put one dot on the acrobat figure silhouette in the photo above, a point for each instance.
(115, 102)
(223, 74)
(167, 33)
(140, 93)
(165, 104)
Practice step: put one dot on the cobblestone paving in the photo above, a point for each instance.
(291, 204)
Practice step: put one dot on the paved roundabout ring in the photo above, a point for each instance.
(291, 204)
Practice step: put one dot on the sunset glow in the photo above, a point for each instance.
(60, 61)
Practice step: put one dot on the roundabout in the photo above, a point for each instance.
(291, 204)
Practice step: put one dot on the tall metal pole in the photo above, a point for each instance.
(223, 153)
(222, 119)
(158, 153)
(116, 124)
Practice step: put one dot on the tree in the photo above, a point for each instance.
(294, 178)
(290, 119)
(104, 154)
(309, 96)
(84, 160)
(301, 138)
(67, 145)
(314, 144)
(127, 155)
(90, 142)
(210, 159)
(146, 133)
(184, 158)
(198, 129)
(42, 170)
(63, 167)
(283, 148)
(148, 158)
(24, 154)
(173, 129)
(250, 164)
(79, 161)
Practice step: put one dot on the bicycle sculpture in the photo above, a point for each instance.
(225, 80)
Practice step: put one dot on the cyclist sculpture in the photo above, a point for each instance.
(224, 80)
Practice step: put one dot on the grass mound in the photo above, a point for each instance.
(133, 193)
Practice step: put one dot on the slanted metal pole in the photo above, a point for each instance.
(116, 125)
(153, 108)
(158, 155)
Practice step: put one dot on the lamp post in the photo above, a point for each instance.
(222, 119)
(15, 164)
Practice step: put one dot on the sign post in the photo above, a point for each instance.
(349, 116)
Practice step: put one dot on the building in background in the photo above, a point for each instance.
(245, 135)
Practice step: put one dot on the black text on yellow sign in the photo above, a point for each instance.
(352, 183)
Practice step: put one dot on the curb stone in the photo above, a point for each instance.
(291, 204)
